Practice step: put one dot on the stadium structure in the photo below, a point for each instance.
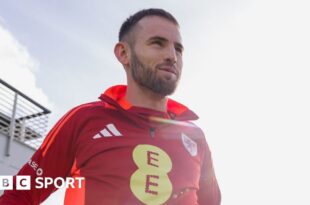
(23, 124)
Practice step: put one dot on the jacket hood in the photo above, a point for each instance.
(115, 98)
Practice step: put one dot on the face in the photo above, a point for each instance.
(156, 55)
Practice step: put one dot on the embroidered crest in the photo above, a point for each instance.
(190, 145)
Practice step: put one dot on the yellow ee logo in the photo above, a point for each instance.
(150, 182)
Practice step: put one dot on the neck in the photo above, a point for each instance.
(142, 97)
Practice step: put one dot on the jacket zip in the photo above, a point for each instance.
(152, 132)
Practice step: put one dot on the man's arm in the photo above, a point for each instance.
(53, 159)
(209, 192)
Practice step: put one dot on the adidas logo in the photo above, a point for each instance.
(109, 131)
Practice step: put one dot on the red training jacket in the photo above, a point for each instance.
(128, 156)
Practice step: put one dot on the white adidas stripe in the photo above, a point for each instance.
(113, 129)
(106, 133)
(97, 136)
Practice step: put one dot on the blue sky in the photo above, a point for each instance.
(246, 73)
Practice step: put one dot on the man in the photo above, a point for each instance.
(135, 146)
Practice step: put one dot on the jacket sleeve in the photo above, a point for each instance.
(53, 159)
(209, 192)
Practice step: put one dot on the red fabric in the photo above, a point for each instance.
(128, 155)
(174, 108)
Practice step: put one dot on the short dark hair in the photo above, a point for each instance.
(132, 20)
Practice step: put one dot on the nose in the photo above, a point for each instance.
(171, 55)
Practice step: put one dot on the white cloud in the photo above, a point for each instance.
(18, 67)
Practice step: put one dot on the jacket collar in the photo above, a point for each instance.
(115, 97)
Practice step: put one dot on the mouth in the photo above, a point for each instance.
(169, 69)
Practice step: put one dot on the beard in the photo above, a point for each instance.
(148, 78)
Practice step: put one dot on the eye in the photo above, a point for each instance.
(179, 50)
(159, 43)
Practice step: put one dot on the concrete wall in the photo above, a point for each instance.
(20, 154)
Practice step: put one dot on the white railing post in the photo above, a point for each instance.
(12, 127)
(22, 130)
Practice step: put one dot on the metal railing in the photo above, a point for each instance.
(21, 118)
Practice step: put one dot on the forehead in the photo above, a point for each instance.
(151, 26)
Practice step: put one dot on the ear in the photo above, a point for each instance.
(122, 53)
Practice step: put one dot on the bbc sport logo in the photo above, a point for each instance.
(23, 182)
